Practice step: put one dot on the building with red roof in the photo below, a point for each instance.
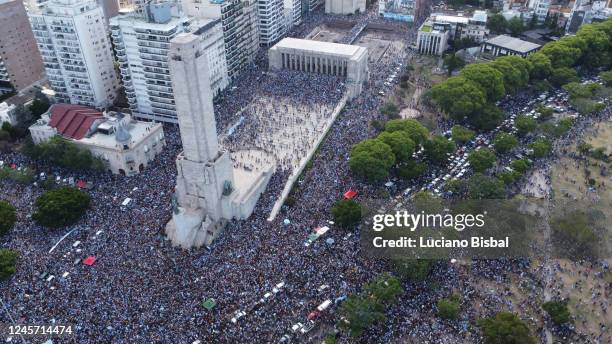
(126, 145)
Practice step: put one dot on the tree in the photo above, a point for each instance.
(437, 149)
(347, 213)
(504, 142)
(359, 312)
(449, 308)
(8, 260)
(546, 113)
(411, 169)
(524, 124)
(453, 62)
(371, 159)
(505, 328)
(558, 311)
(578, 90)
(385, 289)
(563, 75)
(458, 97)
(60, 207)
(541, 147)
(488, 118)
(521, 165)
(489, 79)
(597, 42)
(606, 77)
(485, 187)
(39, 106)
(400, 143)
(512, 76)
(508, 177)
(560, 55)
(533, 22)
(415, 130)
(390, 110)
(541, 66)
(462, 134)
(515, 25)
(7, 217)
(63, 153)
(482, 159)
(413, 270)
(497, 24)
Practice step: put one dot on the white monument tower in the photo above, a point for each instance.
(205, 190)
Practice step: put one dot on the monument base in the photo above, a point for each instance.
(189, 229)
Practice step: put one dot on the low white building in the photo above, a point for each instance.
(349, 61)
(345, 6)
(504, 45)
(126, 145)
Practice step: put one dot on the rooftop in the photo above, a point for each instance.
(72, 121)
(513, 44)
(319, 46)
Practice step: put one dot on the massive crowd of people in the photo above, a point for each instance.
(142, 290)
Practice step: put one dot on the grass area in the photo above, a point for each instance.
(426, 28)
(569, 182)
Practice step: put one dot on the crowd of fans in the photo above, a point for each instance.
(142, 290)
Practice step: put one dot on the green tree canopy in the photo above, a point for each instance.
(505, 328)
(413, 270)
(449, 308)
(598, 45)
(489, 79)
(400, 143)
(458, 97)
(385, 289)
(8, 260)
(60, 207)
(561, 55)
(437, 148)
(453, 62)
(347, 213)
(541, 147)
(606, 77)
(63, 153)
(524, 124)
(558, 311)
(515, 25)
(497, 24)
(415, 130)
(411, 169)
(541, 66)
(462, 134)
(7, 217)
(504, 142)
(360, 312)
(488, 118)
(515, 71)
(578, 90)
(485, 187)
(482, 159)
(520, 165)
(563, 75)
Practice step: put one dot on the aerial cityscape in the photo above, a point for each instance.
(305, 171)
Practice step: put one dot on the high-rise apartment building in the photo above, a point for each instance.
(142, 39)
(76, 51)
(292, 10)
(271, 21)
(20, 62)
(540, 8)
(240, 28)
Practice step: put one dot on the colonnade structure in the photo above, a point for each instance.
(349, 61)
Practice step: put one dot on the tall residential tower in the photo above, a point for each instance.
(76, 51)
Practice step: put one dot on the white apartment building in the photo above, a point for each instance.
(240, 28)
(76, 51)
(293, 13)
(540, 8)
(142, 39)
(271, 21)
